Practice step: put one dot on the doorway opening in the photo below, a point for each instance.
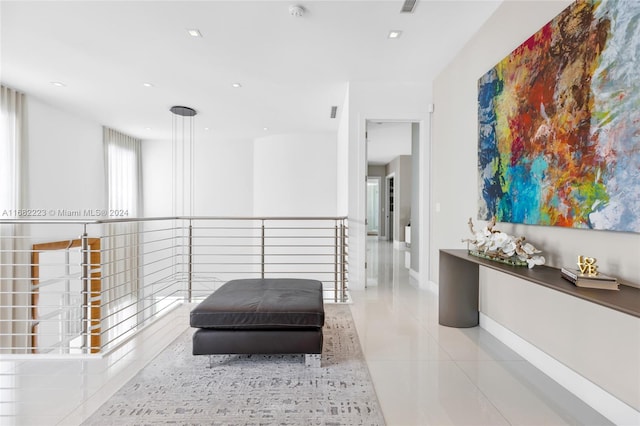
(392, 153)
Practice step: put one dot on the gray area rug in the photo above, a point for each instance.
(179, 388)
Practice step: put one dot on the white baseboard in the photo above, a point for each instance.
(414, 274)
(430, 285)
(599, 399)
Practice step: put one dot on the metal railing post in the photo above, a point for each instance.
(85, 277)
(343, 269)
(262, 252)
(336, 260)
(67, 325)
(190, 266)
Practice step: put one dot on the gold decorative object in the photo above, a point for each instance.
(587, 265)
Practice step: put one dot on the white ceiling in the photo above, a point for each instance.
(292, 70)
(387, 140)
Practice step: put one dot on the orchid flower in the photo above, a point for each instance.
(501, 245)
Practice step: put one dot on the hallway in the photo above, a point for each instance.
(427, 374)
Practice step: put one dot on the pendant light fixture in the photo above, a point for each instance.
(183, 154)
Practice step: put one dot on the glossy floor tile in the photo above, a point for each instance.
(427, 374)
(37, 391)
(423, 373)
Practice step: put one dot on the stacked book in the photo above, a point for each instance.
(600, 281)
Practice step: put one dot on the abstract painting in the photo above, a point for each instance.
(559, 123)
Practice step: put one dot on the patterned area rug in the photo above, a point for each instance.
(179, 388)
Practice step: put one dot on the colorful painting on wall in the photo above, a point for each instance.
(559, 123)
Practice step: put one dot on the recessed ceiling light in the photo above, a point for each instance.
(58, 84)
(148, 84)
(194, 32)
(206, 129)
(394, 34)
(265, 128)
(236, 85)
(147, 128)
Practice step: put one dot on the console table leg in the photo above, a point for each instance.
(458, 292)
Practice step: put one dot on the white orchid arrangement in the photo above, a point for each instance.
(499, 245)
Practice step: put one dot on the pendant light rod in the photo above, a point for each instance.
(183, 156)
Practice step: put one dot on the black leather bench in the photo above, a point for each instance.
(261, 316)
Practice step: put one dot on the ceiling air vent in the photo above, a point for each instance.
(408, 6)
(334, 111)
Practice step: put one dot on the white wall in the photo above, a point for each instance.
(223, 180)
(578, 333)
(295, 175)
(539, 318)
(342, 160)
(455, 149)
(66, 160)
(157, 178)
(281, 175)
(65, 167)
(379, 101)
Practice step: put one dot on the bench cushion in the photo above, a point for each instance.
(283, 303)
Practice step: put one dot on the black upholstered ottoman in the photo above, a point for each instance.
(261, 316)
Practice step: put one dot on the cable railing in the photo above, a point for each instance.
(84, 287)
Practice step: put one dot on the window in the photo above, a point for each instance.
(15, 284)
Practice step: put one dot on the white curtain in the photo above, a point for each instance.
(15, 284)
(123, 162)
(121, 250)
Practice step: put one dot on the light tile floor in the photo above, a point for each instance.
(427, 374)
(66, 391)
(424, 374)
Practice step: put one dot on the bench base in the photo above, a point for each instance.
(208, 341)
